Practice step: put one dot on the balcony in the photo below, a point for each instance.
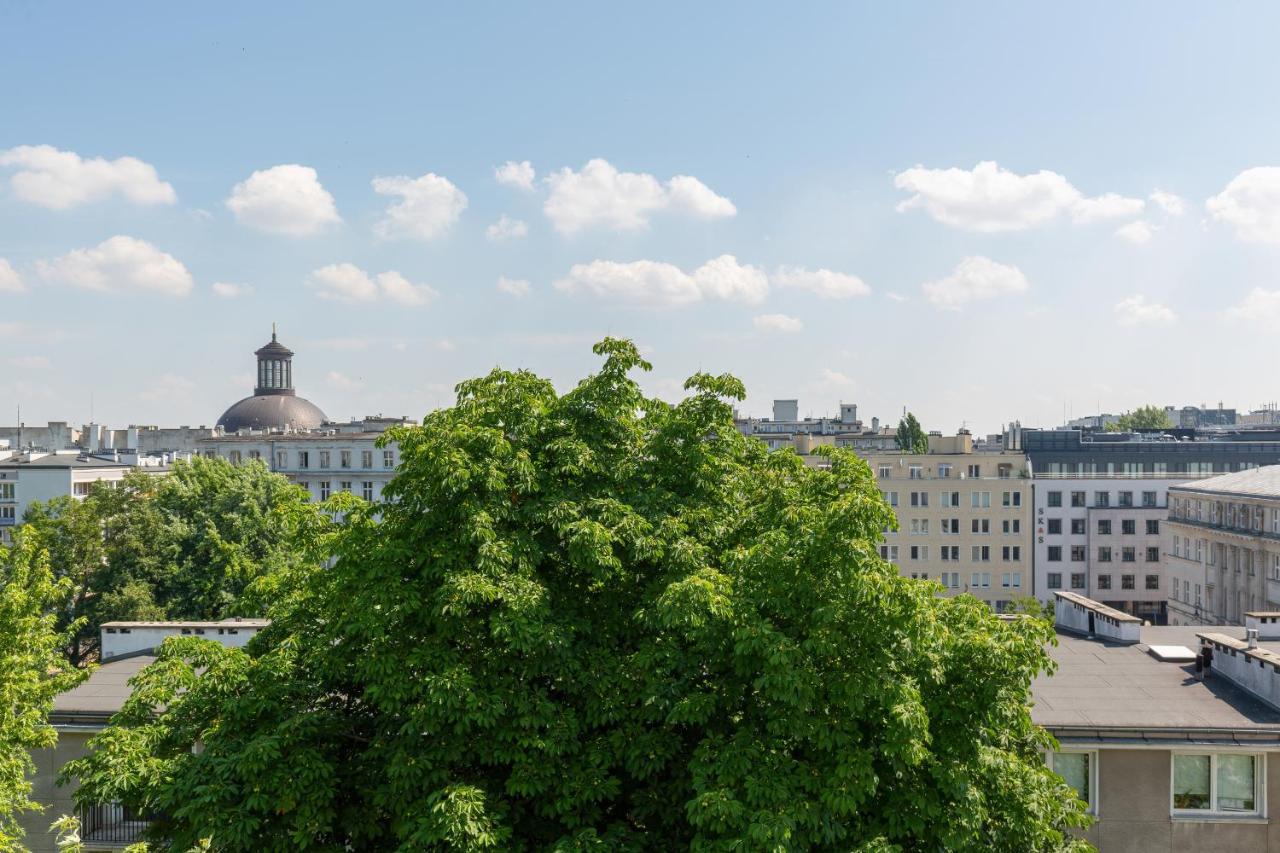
(110, 824)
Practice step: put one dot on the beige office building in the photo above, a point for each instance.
(1224, 547)
(964, 518)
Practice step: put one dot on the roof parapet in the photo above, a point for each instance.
(1082, 615)
(1265, 622)
(1243, 664)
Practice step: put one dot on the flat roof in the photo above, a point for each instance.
(225, 623)
(1106, 685)
(1261, 482)
(103, 693)
(62, 460)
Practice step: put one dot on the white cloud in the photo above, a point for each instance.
(517, 287)
(506, 228)
(660, 284)
(428, 206)
(285, 199)
(1137, 311)
(1168, 202)
(167, 386)
(975, 278)
(231, 290)
(119, 265)
(399, 289)
(898, 297)
(989, 199)
(1251, 205)
(30, 362)
(342, 381)
(10, 281)
(349, 283)
(1138, 233)
(600, 195)
(823, 282)
(515, 174)
(62, 179)
(777, 323)
(1259, 307)
(828, 381)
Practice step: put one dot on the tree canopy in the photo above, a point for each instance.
(1143, 417)
(32, 673)
(597, 621)
(182, 546)
(911, 437)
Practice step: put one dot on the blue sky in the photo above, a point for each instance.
(1057, 281)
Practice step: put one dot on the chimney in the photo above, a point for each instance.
(1251, 634)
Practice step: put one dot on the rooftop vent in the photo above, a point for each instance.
(1172, 654)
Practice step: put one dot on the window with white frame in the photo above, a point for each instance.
(1080, 771)
(1216, 783)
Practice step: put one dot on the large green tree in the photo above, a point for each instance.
(1143, 417)
(182, 546)
(911, 437)
(32, 673)
(595, 620)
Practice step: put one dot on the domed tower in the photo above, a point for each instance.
(274, 404)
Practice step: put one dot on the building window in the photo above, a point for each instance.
(1077, 498)
(1055, 499)
(346, 486)
(920, 552)
(979, 525)
(1153, 526)
(1126, 581)
(1055, 579)
(1077, 554)
(1104, 527)
(1153, 581)
(324, 490)
(1104, 581)
(234, 456)
(889, 552)
(1013, 525)
(950, 499)
(1078, 770)
(1127, 555)
(980, 499)
(324, 459)
(1055, 555)
(1153, 554)
(891, 497)
(1102, 499)
(1128, 527)
(919, 498)
(981, 553)
(1225, 783)
(975, 471)
(1077, 580)
(253, 454)
(1077, 527)
(366, 490)
(885, 471)
(344, 458)
(304, 459)
(281, 459)
(366, 458)
(1011, 499)
(388, 459)
(1149, 499)
(1104, 555)
(920, 526)
(1055, 526)
(1126, 499)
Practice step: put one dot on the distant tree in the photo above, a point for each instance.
(1143, 417)
(598, 621)
(183, 546)
(911, 438)
(32, 672)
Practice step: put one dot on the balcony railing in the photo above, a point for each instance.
(111, 823)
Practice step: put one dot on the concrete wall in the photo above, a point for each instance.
(116, 642)
(57, 800)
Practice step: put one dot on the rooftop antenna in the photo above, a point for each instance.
(273, 331)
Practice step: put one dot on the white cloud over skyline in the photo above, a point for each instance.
(346, 282)
(10, 281)
(512, 174)
(657, 284)
(975, 278)
(286, 199)
(505, 229)
(1137, 311)
(517, 287)
(601, 196)
(119, 265)
(60, 180)
(821, 282)
(777, 323)
(1250, 204)
(428, 207)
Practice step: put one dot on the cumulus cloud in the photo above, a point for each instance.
(897, 297)
(285, 199)
(1260, 307)
(62, 179)
(348, 283)
(515, 174)
(777, 323)
(230, 289)
(10, 281)
(824, 283)
(1137, 311)
(1139, 233)
(1251, 205)
(506, 228)
(119, 265)
(1168, 202)
(654, 283)
(988, 198)
(517, 287)
(428, 206)
(602, 196)
(975, 278)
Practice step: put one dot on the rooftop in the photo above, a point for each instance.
(102, 694)
(1261, 482)
(60, 460)
(1107, 685)
(225, 623)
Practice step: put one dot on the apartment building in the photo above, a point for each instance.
(1169, 755)
(1224, 547)
(964, 518)
(35, 476)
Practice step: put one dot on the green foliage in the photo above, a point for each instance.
(183, 546)
(911, 438)
(32, 673)
(1143, 417)
(598, 621)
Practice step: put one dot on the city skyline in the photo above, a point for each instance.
(418, 197)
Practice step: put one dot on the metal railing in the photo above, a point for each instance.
(110, 823)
